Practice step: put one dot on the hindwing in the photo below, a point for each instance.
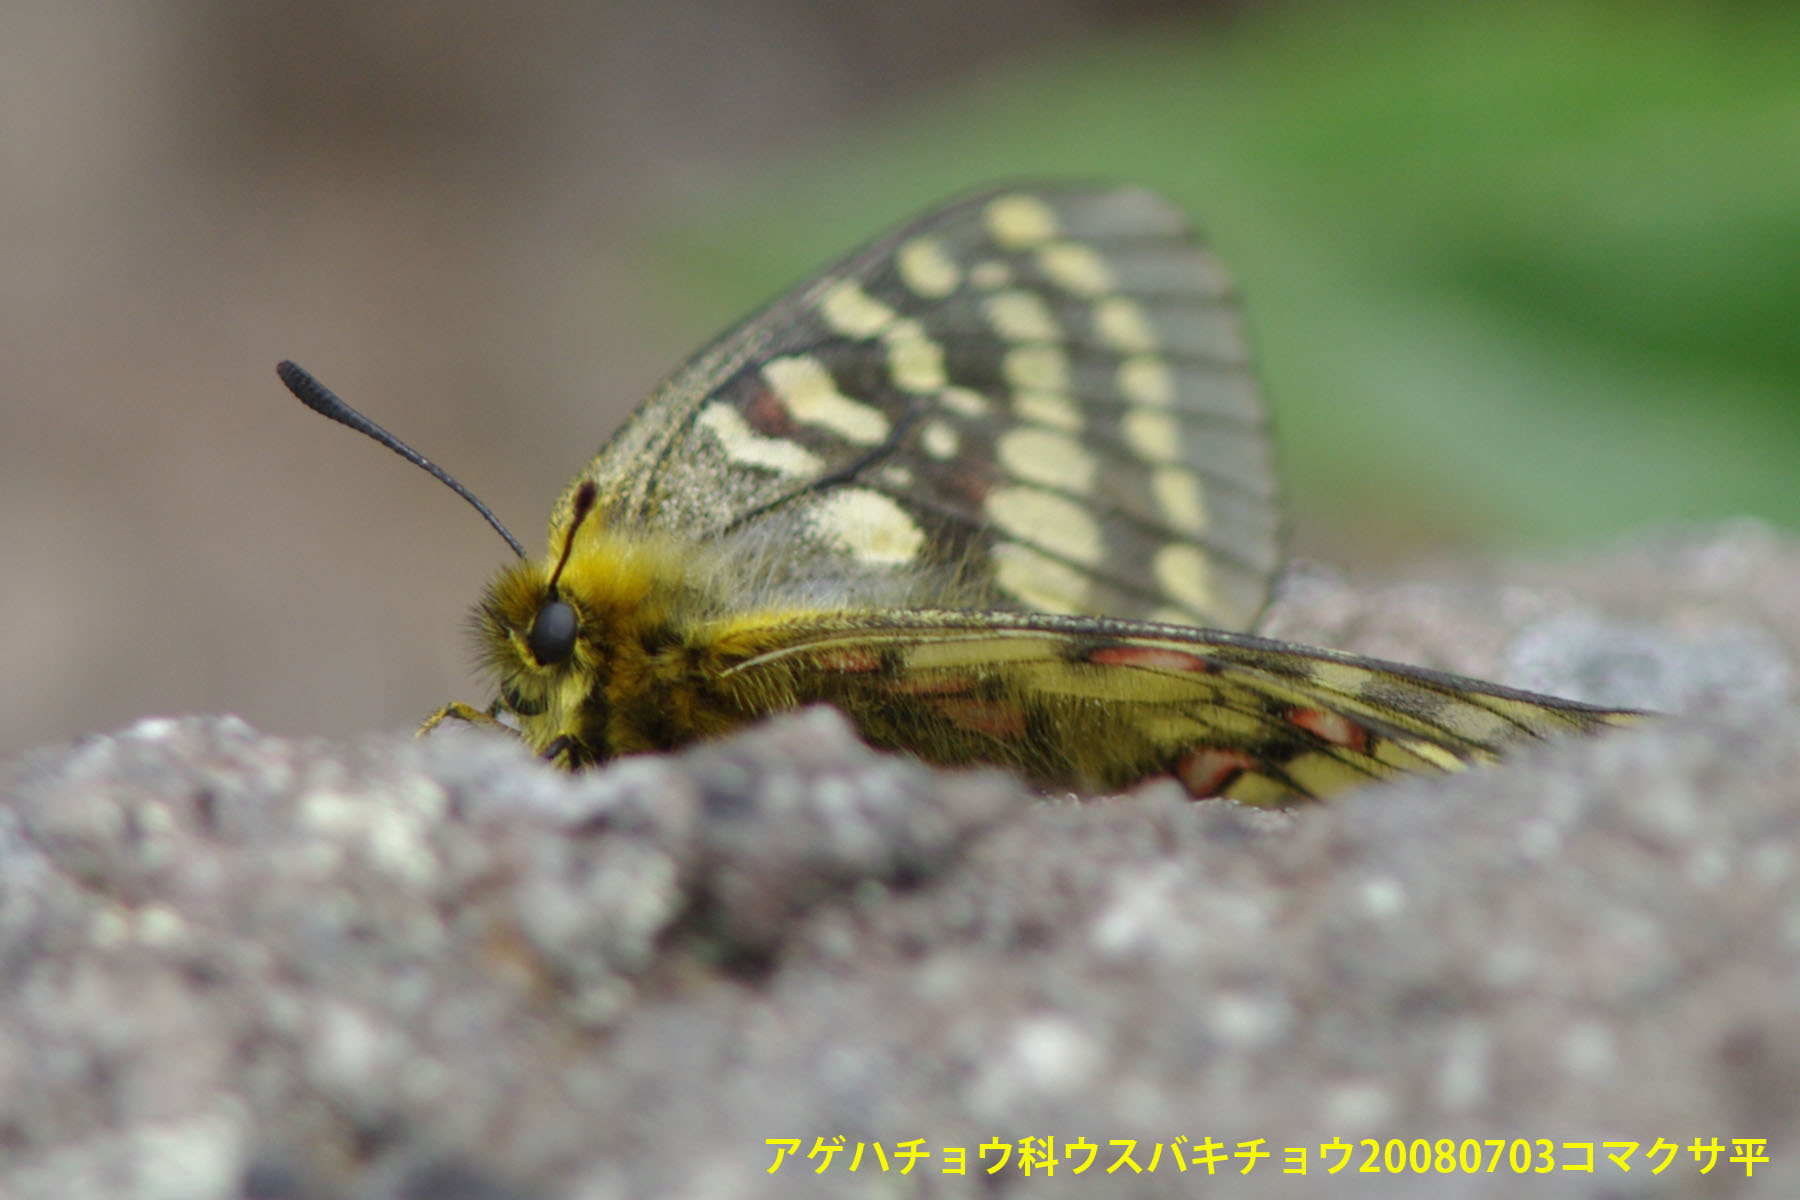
(1100, 705)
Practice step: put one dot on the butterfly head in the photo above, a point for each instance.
(538, 636)
(558, 634)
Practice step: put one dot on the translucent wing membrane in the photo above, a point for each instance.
(1034, 398)
(1101, 705)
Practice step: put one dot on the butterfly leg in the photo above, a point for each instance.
(456, 710)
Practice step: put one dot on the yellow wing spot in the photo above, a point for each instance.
(1436, 755)
(1477, 724)
(897, 477)
(1146, 379)
(927, 269)
(1047, 520)
(1151, 691)
(1181, 498)
(1076, 268)
(1037, 581)
(1258, 791)
(1017, 221)
(853, 312)
(1037, 368)
(869, 526)
(1181, 572)
(811, 396)
(940, 440)
(1052, 459)
(1021, 317)
(1055, 409)
(1321, 774)
(953, 653)
(965, 402)
(1153, 433)
(1124, 325)
(747, 447)
(1337, 678)
(990, 274)
(914, 358)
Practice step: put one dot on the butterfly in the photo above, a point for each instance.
(999, 487)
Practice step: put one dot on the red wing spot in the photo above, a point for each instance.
(1000, 718)
(1332, 727)
(848, 661)
(1157, 658)
(971, 486)
(768, 414)
(935, 685)
(1209, 771)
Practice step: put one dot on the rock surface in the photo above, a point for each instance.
(237, 966)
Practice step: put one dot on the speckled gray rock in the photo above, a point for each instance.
(237, 966)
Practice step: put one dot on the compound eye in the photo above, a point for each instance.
(552, 636)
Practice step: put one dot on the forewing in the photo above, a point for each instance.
(1101, 705)
(1035, 398)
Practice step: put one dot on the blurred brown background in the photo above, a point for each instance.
(433, 206)
(1506, 272)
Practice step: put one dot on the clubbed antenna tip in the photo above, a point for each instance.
(322, 400)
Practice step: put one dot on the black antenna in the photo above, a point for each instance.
(325, 402)
(584, 504)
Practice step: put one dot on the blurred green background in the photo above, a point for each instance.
(1518, 274)
(1526, 272)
